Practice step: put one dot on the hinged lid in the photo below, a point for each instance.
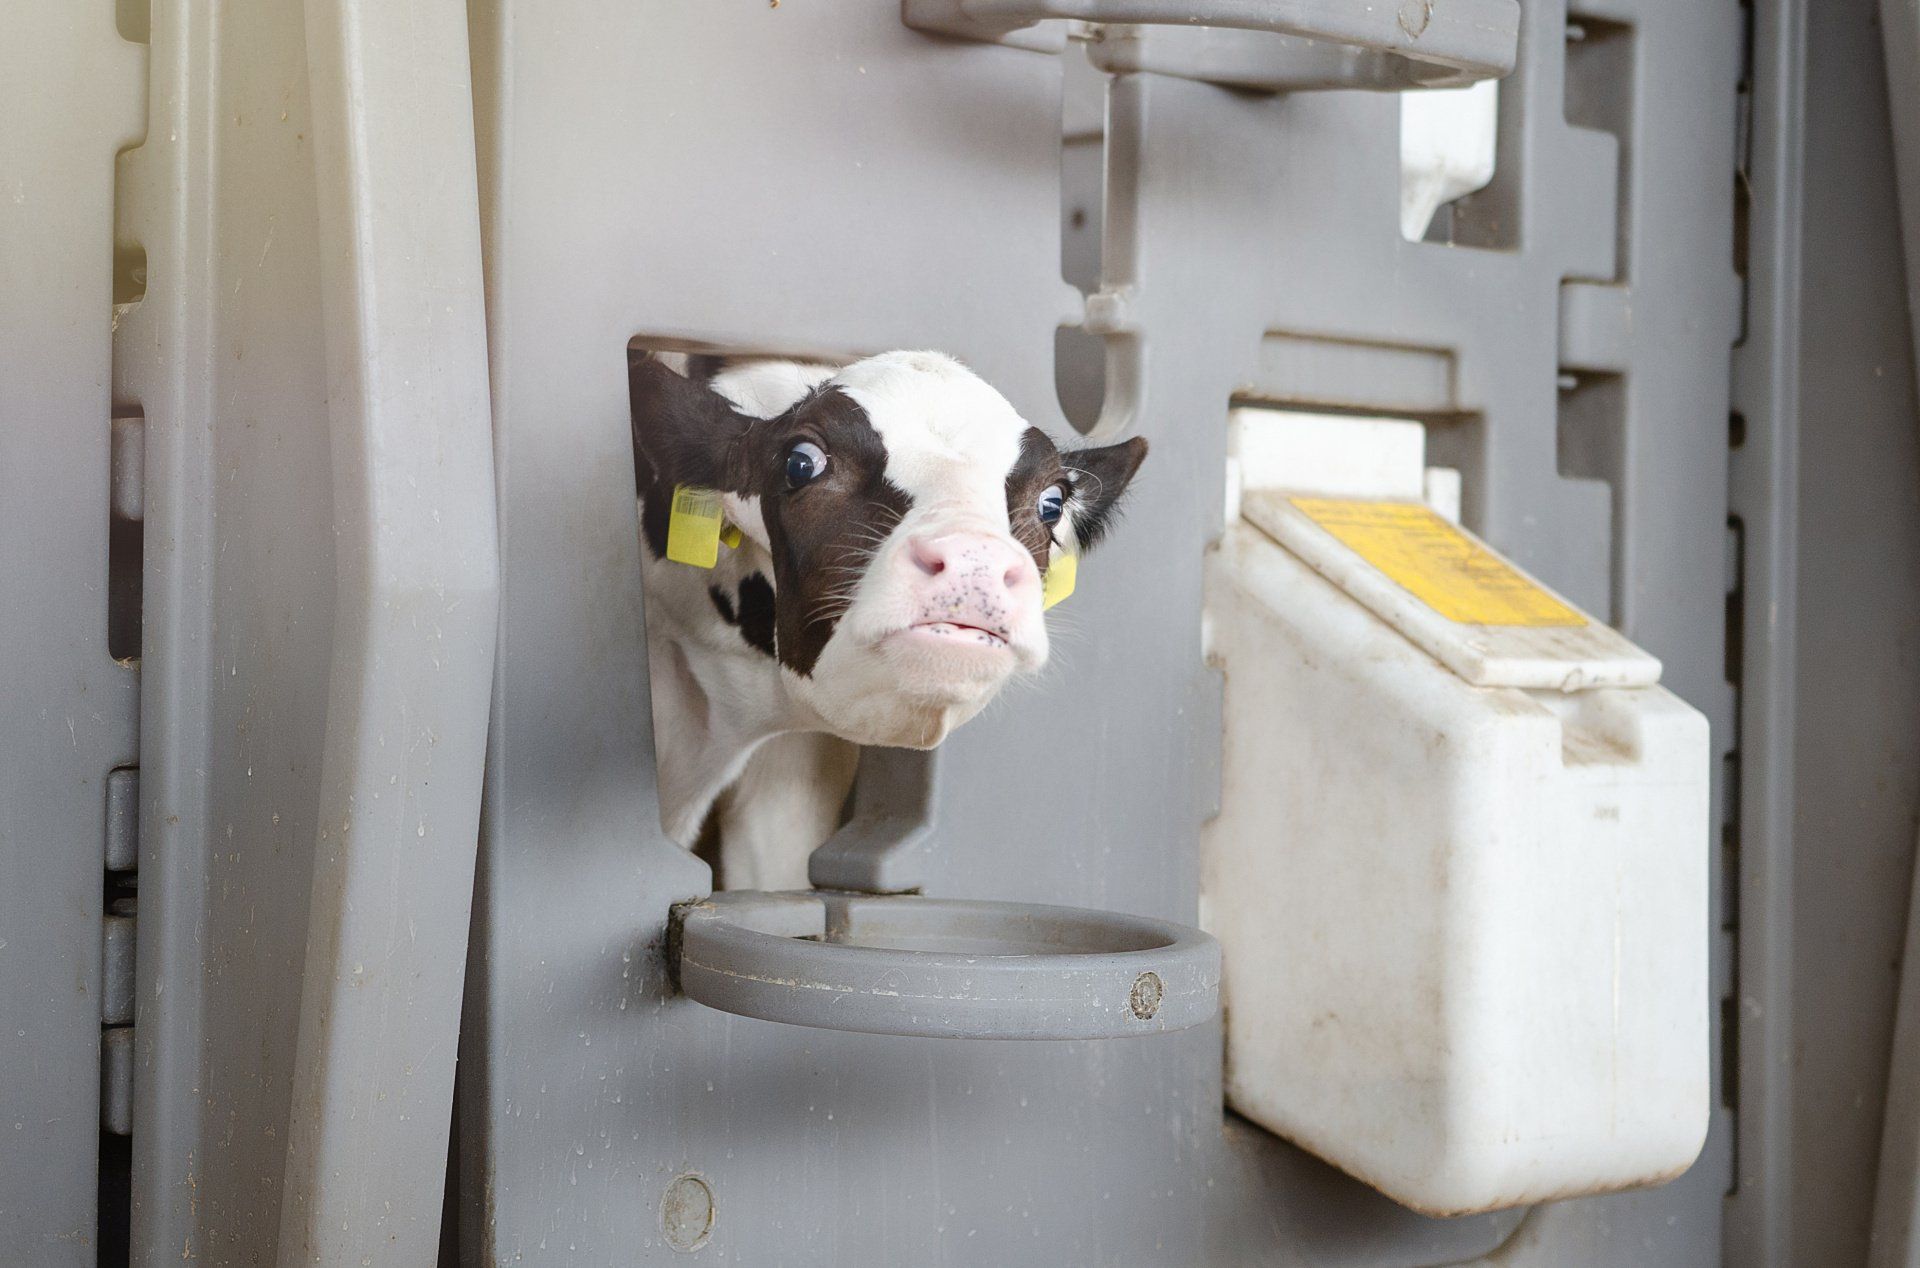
(1450, 593)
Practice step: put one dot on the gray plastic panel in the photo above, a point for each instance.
(261, 671)
(1194, 284)
(582, 1002)
(1900, 38)
(957, 248)
(1825, 489)
(226, 359)
(845, 185)
(1896, 1203)
(70, 90)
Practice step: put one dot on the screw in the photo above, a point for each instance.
(1144, 999)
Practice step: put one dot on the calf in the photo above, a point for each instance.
(896, 519)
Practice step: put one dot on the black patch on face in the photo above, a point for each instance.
(1037, 467)
(1091, 479)
(755, 618)
(1095, 480)
(757, 613)
(655, 506)
(660, 406)
(683, 432)
(823, 534)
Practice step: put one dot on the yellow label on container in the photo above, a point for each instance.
(693, 527)
(1437, 563)
(1058, 584)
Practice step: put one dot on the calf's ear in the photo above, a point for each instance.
(683, 432)
(1099, 476)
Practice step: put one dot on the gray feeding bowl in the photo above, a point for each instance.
(900, 964)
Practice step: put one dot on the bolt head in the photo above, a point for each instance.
(686, 1212)
(1144, 1000)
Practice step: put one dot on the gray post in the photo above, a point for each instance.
(417, 599)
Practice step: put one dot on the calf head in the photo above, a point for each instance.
(911, 515)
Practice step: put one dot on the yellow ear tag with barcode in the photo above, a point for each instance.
(696, 526)
(1061, 574)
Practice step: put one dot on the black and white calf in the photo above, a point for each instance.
(898, 518)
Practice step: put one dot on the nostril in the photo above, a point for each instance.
(1018, 575)
(927, 556)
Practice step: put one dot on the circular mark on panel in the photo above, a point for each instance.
(686, 1212)
(1414, 16)
(1144, 999)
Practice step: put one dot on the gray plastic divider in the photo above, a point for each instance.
(69, 713)
(1896, 1205)
(1900, 34)
(417, 594)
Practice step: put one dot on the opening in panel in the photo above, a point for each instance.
(1743, 164)
(837, 554)
(129, 275)
(1591, 445)
(1599, 95)
(125, 535)
(1372, 457)
(1351, 450)
(753, 800)
(1591, 426)
(116, 1200)
(1448, 150)
(134, 20)
(1460, 167)
(1734, 670)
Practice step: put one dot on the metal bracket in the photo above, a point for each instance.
(880, 851)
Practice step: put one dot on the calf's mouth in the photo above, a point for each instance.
(960, 631)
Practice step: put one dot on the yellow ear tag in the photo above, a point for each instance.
(1061, 574)
(731, 536)
(693, 527)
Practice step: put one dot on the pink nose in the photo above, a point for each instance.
(973, 557)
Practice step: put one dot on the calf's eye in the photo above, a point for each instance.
(1051, 503)
(806, 462)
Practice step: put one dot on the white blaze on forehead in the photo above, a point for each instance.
(950, 438)
(762, 389)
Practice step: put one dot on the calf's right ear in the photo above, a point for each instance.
(683, 432)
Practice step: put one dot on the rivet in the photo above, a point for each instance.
(686, 1212)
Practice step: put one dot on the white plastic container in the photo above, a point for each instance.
(1460, 870)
